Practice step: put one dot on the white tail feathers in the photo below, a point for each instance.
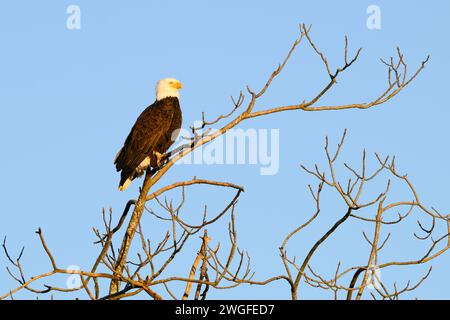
(125, 185)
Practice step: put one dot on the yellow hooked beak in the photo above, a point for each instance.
(177, 85)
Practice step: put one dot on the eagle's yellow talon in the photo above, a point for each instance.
(159, 158)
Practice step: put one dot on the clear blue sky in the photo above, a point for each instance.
(69, 97)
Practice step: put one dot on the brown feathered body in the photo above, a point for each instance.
(154, 132)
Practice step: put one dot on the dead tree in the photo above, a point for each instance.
(377, 210)
(217, 270)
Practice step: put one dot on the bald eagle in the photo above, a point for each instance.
(153, 133)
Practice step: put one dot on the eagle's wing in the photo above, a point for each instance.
(143, 138)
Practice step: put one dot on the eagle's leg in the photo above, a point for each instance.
(159, 158)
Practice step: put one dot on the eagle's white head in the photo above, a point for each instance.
(168, 87)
